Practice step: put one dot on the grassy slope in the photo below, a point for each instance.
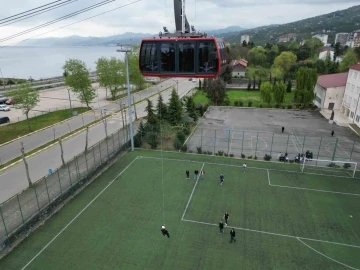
(14, 130)
(125, 231)
(243, 95)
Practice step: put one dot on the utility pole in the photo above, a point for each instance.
(87, 139)
(126, 51)
(134, 107)
(62, 152)
(25, 163)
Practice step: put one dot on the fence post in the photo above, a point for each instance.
(336, 144)
(2, 217)
(119, 138)
(242, 142)
(37, 199)
(58, 175)
(47, 189)
(257, 139)
(302, 150)
(202, 130)
(22, 216)
(319, 149)
(112, 136)
(272, 142)
(77, 168)
(229, 142)
(87, 166)
(94, 155)
(287, 144)
(352, 150)
(215, 143)
(100, 152)
(69, 173)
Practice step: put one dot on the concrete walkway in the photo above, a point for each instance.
(339, 119)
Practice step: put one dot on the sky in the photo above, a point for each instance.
(149, 16)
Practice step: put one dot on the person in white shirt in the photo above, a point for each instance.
(244, 167)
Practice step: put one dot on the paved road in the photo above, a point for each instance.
(12, 150)
(13, 180)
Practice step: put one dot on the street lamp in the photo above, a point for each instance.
(126, 51)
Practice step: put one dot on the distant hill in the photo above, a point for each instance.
(126, 38)
(346, 20)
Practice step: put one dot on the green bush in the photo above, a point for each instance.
(181, 137)
(199, 150)
(277, 106)
(137, 141)
(282, 107)
(177, 144)
(267, 157)
(250, 103)
(184, 148)
(347, 165)
(241, 103)
(270, 106)
(231, 155)
(236, 103)
(250, 157)
(187, 130)
(289, 107)
(242, 155)
(220, 153)
(260, 106)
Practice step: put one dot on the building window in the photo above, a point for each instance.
(318, 99)
(352, 115)
(357, 118)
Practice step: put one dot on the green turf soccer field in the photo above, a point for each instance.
(283, 219)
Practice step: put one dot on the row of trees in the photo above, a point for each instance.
(163, 115)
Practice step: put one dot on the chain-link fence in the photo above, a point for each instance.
(25, 210)
(251, 144)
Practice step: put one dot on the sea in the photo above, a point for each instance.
(47, 62)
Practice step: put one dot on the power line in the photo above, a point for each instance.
(88, 18)
(29, 10)
(27, 16)
(57, 20)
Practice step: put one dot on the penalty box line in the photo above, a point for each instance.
(86, 207)
(274, 234)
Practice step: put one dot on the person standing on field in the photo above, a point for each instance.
(187, 174)
(221, 179)
(226, 217)
(332, 133)
(196, 172)
(232, 235)
(244, 167)
(165, 231)
(282, 130)
(202, 174)
(221, 226)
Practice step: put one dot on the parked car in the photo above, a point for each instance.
(9, 102)
(4, 108)
(3, 100)
(4, 120)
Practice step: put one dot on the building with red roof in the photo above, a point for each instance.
(350, 105)
(239, 68)
(329, 91)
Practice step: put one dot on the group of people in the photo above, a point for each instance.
(221, 227)
(196, 174)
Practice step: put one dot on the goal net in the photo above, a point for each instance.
(329, 167)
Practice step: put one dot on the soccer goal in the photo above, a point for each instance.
(329, 167)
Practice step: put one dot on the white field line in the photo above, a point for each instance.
(192, 193)
(297, 150)
(310, 189)
(294, 134)
(275, 234)
(237, 166)
(348, 266)
(87, 206)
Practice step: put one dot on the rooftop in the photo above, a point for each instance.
(356, 66)
(333, 80)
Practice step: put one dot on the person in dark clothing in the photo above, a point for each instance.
(196, 172)
(164, 231)
(232, 235)
(282, 130)
(221, 226)
(187, 174)
(221, 179)
(226, 217)
(332, 133)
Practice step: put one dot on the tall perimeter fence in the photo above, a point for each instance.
(255, 145)
(21, 213)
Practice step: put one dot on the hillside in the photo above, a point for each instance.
(339, 21)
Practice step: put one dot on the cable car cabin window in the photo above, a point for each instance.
(208, 57)
(148, 57)
(168, 57)
(186, 57)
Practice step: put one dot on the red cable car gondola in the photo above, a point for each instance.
(183, 54)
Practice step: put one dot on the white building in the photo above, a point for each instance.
(341, 38)
(322, 37)
(351, 98)
(245, 38)
(329, 91)
(324, 54)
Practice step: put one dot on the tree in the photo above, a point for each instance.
(349, 59)
(306, 79)
(357, 52)
(266, 92)
(78, 80)
(244, 43)
(276, 73)
(284, 61)
(216, 90)
(279, 92)
(199, 84)
(257, 56)
(314, 45)
(205, 84)
(25, 98)
(191, 108)
(135, 75)
(152, 122)
(161, 108)
(103, 73)
(117, 75)
(303, 53)
(337, 50)
(175, 110)
(227, 75)
(289, 87)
